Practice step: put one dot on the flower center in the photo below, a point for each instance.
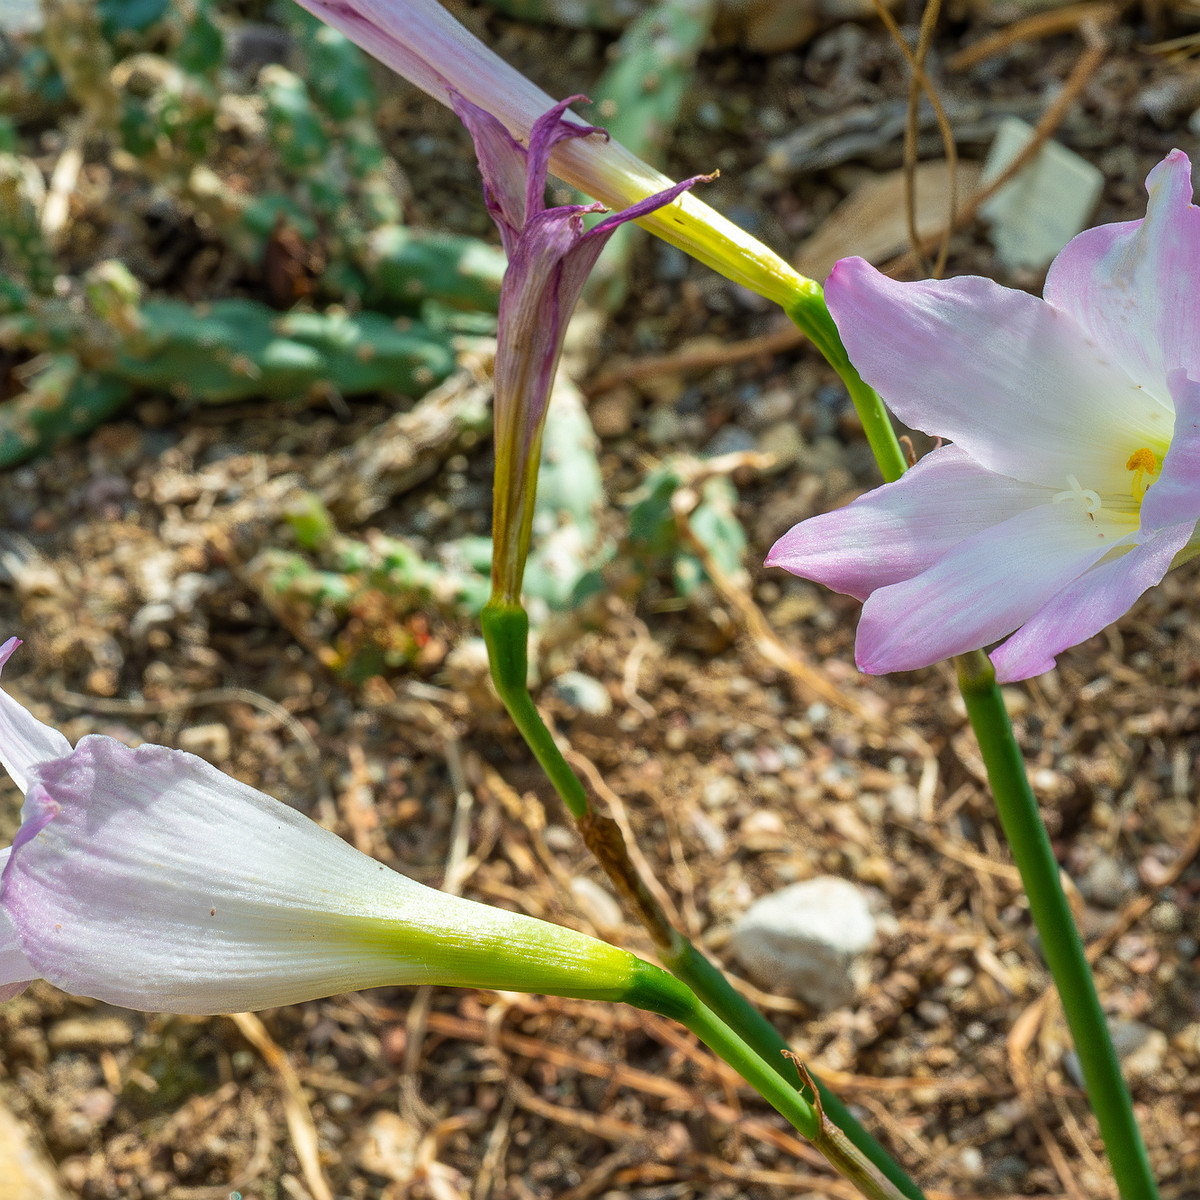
(1142, 462)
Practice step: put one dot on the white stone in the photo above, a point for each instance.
(583, 693)
(810, 939)
(1044, 205)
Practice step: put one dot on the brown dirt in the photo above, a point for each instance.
(736, 776)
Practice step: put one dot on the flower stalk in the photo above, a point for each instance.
(1129, 414)
(808, 310)
(1061, 944)
(1028, 840)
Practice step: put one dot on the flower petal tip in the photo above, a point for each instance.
(6, 651)
(1020, 667)
(1170, 181)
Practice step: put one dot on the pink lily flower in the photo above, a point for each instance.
(550, 255)
(149, 879)
(1073, 481)
(420, 40)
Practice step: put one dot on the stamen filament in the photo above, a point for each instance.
(1089, 499)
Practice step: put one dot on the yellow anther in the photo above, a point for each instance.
(1142, 462)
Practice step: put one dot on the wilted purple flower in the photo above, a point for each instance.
(1073, 483)
(148, 878)
(550, 255)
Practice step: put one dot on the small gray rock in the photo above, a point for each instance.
(1107, 884)
(583, 693)
(810, 939)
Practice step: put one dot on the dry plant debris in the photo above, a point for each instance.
(741, 749)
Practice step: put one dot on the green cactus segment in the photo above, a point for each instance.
(337, 70)
(638, 100)
(123, 16)
(168, 117)
(58, 402)
(295, 126)
(237, 349)
(201, 49)
(13, 299)
(654, 538)
(144, 78)
(363, 594)
(370, 353)
(23, 246)
(405, 268)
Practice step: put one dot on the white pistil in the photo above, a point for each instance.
(1089, 499)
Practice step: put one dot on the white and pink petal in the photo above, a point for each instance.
(16, 972)
(1132, 287)
(902, 529)
(24, 740)
(148, 878)
(981, 590)
(1087, 604)
(1175, 495)
(1007, 377)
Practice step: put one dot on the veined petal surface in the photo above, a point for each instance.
(1134, 288)
(16, 973)
(980, 590)
(901, 529)
(1087, 604)
(24, 740)
(1176, 495)
(148, 878)
(1004, 375)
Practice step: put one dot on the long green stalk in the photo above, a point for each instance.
(657, 991)
(709, 983)
(506, 633)
(808, 310)
(1061, 944)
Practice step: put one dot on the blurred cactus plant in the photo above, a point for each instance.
(360, 597)
(145, 86)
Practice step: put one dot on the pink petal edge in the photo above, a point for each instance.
(896, 531)
(982, 590)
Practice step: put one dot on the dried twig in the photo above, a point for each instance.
(1038, 25)
(299, 1117)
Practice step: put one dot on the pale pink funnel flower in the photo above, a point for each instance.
(148, 878)
(1073, 480)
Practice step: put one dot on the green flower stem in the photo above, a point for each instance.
(808, 310)
(685, 962)
(655, 990)
(506, 633)
(1060, 941)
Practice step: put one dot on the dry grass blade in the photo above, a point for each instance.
(1039, 25)
(299, 1117)
(921, 82)
(1049, 121)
